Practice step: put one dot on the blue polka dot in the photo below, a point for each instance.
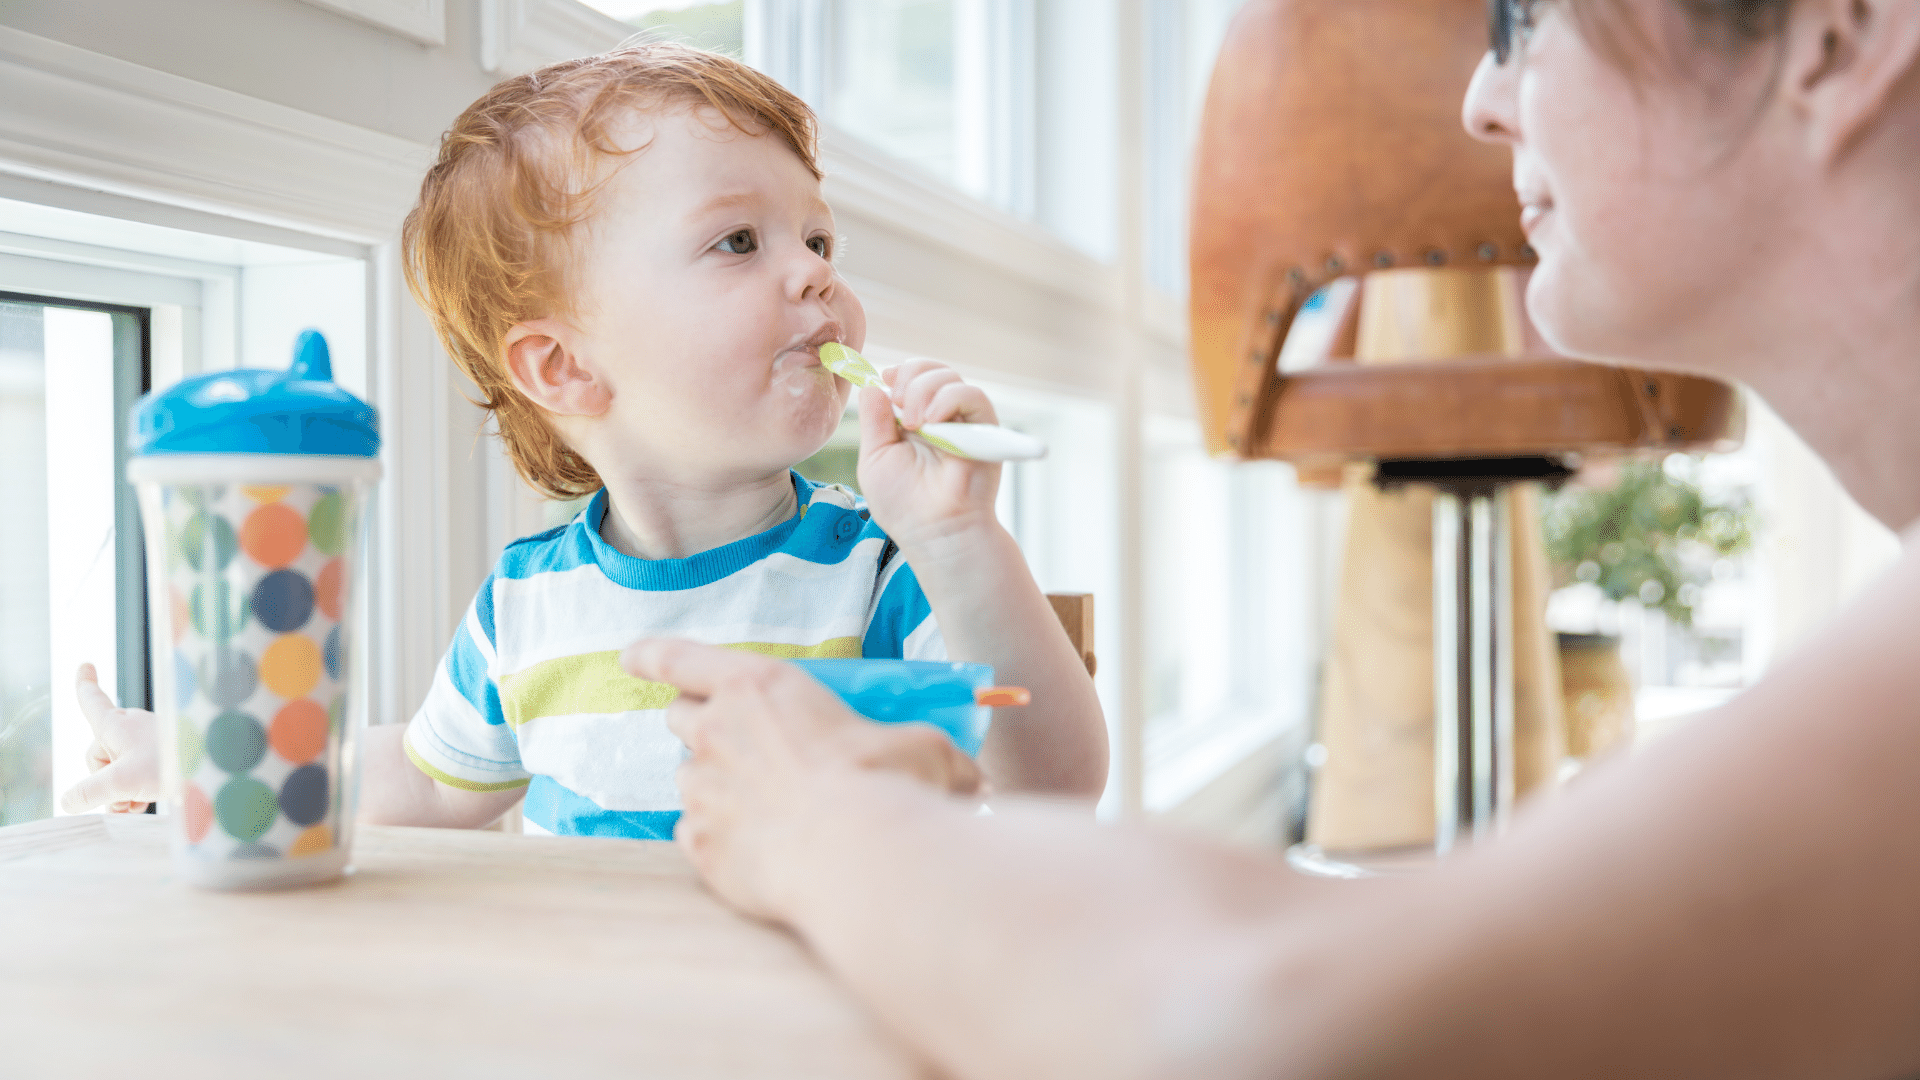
(303, 797)
(283, 601)
(331, 653)
(184, 683)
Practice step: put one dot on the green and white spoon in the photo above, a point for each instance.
(975, 442)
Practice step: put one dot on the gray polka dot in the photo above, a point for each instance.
(255, 851)
(228, 677)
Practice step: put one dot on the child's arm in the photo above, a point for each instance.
(393, 791)
(939, 509)
(125, 759)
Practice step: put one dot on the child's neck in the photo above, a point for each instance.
(656, 519)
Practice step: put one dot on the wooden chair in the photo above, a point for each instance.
(1331, 147)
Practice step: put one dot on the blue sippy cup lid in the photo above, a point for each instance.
(251, 411)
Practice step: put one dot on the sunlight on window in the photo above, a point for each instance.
(716, 27)
(893, 80)
(57, 565)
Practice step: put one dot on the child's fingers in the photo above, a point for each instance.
(877, 427)
(914, 397)
(959, 401)
(118, 782)
(95, 705)
(900, 376)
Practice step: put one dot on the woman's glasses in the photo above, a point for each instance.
(1505, 19)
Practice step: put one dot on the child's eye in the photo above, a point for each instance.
(739, 243)
(821, 246)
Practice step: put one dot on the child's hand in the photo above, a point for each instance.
(124, 757)
(917, 493)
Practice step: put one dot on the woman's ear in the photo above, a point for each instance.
(1847, 61)
(543, 365)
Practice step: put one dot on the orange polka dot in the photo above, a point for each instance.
(330, 587)
(266, 493)
(299, 731)
(274, 535)
(196, 813)
(182, 615)
(312, 842)
(291, 666)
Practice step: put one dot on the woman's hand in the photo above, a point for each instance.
(917, 493)
(124, 760)
(767, 743)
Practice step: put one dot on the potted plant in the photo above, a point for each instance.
(1650, 535)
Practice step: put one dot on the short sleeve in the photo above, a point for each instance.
(901, 626)
(460, 736)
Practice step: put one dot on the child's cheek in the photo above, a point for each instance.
(808, 394)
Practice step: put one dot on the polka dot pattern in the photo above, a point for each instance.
(299, 731)
(273, 535)
(256, 589)
(283, 601)
(245, 808)
(329, 589)
(291, 666)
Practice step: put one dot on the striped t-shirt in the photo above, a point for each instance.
(531, 693)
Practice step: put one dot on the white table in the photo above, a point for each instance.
(446, 953)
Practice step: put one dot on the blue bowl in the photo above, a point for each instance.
(904, 691)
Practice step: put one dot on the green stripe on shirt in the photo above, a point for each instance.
(596, 683)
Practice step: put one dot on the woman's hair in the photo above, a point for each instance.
(1731, 27)
(489, 244)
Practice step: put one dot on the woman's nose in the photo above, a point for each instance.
(1490, 110)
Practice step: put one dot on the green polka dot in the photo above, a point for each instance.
(235, 741)
(218, 615)
(187, 740)
(245, 808)
(327, 523)
(337, 712)
(192, 538)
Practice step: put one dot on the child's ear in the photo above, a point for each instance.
(543, 365)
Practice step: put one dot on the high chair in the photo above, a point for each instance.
(1331, 153)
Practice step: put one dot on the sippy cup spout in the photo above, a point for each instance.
(311, 360)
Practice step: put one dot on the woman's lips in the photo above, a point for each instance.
(1531, 214)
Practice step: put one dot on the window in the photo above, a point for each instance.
(70, 575)
(1181, 39)
(702, 24)
(1231, 638)
(93, 312)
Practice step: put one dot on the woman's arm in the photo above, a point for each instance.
(1742, 900)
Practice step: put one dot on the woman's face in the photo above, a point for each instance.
(1644, 193)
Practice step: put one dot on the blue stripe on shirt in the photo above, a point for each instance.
(562, 811)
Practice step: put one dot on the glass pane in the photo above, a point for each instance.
(57, 557)
(1190, 593)
(716, 27)
(892, 81)
(26, 778)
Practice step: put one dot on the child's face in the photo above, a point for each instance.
(706, 288)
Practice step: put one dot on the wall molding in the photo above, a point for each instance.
(79, 118)
(424, 21)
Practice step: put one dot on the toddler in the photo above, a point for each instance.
(630, 257)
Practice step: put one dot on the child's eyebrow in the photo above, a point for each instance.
(730, 200)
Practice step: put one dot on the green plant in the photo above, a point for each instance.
(1653, 536)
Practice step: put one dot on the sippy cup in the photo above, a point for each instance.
(252, 486)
